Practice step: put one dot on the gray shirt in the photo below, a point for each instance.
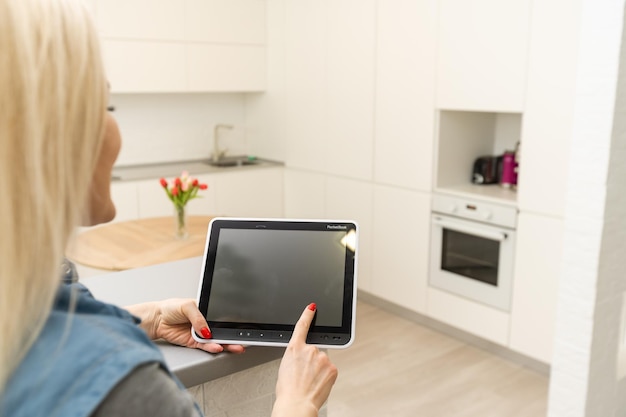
(147, 391)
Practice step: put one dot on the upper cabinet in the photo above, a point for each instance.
(483, 54)
(142, 19)
(184, 46)
(226, 21)
(549, 114)
(405, 93)
(329, 86)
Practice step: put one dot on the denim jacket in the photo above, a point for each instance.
(77, 359)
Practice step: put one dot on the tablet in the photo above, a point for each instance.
(259, 275)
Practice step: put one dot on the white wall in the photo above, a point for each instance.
(585, 378)
(174, 127)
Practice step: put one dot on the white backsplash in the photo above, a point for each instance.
(175, 127)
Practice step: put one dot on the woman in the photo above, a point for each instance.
(62, 352)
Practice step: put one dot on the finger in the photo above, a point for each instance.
(234, 348)
(210, 347)
(197, 320)
(302, 326)
(217, 348)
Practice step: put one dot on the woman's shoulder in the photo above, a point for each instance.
(86, 347)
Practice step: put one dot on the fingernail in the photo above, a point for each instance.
(312, 306)
(206, 333)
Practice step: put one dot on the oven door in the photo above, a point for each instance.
(472, 260)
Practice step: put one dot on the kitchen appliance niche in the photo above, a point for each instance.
(463, 136)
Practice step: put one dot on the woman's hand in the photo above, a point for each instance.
(305, 376)
(172, 320)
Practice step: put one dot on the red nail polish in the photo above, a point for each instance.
(312, 306)
(206, 333)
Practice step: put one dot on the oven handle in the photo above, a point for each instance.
(499, 236)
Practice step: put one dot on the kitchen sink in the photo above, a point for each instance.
(233, 161)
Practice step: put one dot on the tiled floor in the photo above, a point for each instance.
(399, 368)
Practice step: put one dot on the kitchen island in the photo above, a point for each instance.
(223, 384)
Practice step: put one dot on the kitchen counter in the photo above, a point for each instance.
(171, 280)
(195, 167)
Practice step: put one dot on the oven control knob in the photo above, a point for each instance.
(487, 215)
(453, 208)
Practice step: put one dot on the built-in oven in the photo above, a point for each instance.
(472, 249)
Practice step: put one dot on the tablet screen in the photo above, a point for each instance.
(260, 275)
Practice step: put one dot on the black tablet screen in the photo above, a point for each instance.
(269, 276)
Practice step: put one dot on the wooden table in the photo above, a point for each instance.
(138, 243)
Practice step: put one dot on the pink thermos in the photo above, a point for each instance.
(509, 170)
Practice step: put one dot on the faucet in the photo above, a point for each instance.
(217, 152)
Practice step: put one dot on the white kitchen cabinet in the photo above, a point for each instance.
(472, 317)
(401, 241)
(304, 81)
(538, 267)
(124, 196)
(141, 19)
(483, 54)
(225, 68)
(305, 194)
(405, 93)
(250, 193)
(134, 66)
(549, 113)
(225, 21)
(172, 46)
(350, 80)
(329, 86)
(352, 200)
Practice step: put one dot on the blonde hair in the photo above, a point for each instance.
(53, 98)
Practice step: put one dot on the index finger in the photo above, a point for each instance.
(302, 326)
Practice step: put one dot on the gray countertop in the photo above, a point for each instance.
(194, 167)
(173, 280)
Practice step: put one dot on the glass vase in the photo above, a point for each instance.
(180, 223)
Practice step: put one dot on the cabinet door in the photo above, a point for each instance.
(225, 68)
(145, 66)
(225, 21)
(482, 54)
(401, 246)
(537, 272)
(472, 317)
(251, 193)
(305, 194)
(304, 81)
(349, 87)
(405, 93)
(548, 118)
(141, 19)
(352, 200)
(124, 196)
